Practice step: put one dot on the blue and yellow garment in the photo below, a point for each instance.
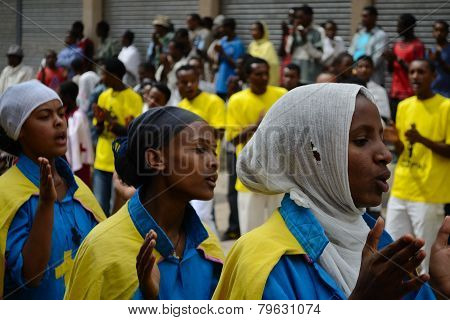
(74, 217)
(105, 266)
(279, 260)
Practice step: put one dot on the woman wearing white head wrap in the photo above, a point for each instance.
(46, 211)
(322, 146)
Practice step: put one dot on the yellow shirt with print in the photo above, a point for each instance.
(122, 105)
(422, 175)
(208, 106)
(244, 109)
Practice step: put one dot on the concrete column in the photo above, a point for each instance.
(92, 14)
(357, 7)
(209, 8)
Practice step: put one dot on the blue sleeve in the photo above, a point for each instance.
(424, 293)
(240, 50)
(18, 233)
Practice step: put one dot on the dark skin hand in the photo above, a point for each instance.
(147, 269)
(440, 148)
(383, 272)
(439, 262)
(37, 249)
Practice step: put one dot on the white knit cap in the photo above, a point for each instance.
(17, 103)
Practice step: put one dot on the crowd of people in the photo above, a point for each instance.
(109, 161)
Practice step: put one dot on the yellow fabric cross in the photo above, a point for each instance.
(64, 268)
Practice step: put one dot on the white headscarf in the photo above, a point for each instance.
(19, 101)
(282, 157)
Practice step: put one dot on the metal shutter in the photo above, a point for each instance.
(137, 16)
(7, 29)
(55, 17)
(426, 12)
(273, 12)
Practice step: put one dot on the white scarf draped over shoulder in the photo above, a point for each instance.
(301, 148)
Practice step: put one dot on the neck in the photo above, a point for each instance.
(368, 28)
(165, 206)
(119, 87)
(409, 36)
(197, 93)
(425, 95)
(442, 43)
(258, 90)
(230, 36)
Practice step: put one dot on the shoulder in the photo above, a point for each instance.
(407, 102)
(213, 98)
(279, 91)
(239, 96)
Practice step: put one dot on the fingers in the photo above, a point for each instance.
(396, 246)
(412, 264)
(45, 171)
(374, 235)
(443, 233)
(408, 252)
(143, 260)
(414, 284)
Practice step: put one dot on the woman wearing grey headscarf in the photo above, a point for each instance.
(45, 210)
(322, 146)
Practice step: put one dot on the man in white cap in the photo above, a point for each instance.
(160, 39)
(15, 72)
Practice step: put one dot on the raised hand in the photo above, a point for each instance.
(47, 190)
(440, 262)
(147, 269)
(383, 272)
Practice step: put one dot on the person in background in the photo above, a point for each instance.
(332, 45)
(182, 35)
(15, 72)
(408, 49)
(246, 110)
(440, 56)
(86, 85)
(146, 73)
(286, 30)
(199, 36)
(69, 54)
(305, 44)
(80, 153)
(108, 47)
(131, 58)
(51, 75)
(261, 47)
(166, 72)
(342, 67)
(159, 45)
(199, 66)
(207, 23)
(86, 44)
(210, 108)
(364, 70)
(291, 76)
(116, 107)
(371, 40)
(212, 56)
(230, 48)
(77, 66)
(156, 95)
(421, 137)
(326, 77)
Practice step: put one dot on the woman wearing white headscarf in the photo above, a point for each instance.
(322, 146)
(45, 210)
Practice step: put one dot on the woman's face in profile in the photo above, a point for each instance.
(367, 155)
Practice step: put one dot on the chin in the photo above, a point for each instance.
(204, 196)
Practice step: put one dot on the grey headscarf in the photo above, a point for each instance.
(19, 101)
(301, 148)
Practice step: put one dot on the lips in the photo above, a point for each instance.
(211, 180)
(382, 179)
(61, 138)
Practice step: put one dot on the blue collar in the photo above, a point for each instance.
(143, 221)
(308, 231)
(31, 170)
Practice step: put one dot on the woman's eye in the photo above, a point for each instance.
(360, 142)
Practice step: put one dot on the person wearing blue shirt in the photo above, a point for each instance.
(440, 55)
(230, 49)
(46, 210)
(70, 53)
(155, 246)
(331, 162)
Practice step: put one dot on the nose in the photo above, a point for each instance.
(213, 161)
(383, 155)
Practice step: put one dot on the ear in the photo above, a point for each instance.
(154, 159)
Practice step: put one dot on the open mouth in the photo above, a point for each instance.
(61, 138)
(381, 181)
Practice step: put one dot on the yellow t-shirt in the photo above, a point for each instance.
(422, 175)
(122, 105)
(244, 109)
(208, 106)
